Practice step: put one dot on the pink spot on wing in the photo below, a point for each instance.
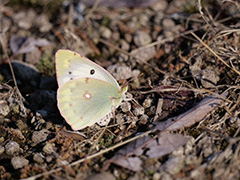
(86, 80)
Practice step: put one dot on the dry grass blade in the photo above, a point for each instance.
(215, 53)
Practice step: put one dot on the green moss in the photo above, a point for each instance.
(46, 65)
(106, 21)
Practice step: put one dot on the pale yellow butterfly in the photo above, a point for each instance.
(87, 93)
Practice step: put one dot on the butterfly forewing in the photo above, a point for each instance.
(71, 65)
(84, 101)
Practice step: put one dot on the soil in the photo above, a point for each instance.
(180, 61)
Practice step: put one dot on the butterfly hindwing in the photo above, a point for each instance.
(85, 101)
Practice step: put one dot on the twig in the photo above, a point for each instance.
(89, 157)
(214, 53)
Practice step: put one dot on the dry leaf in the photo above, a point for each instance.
(131, 163)
(21, 45)
(197, 113)
(165, 144)
(121, 3)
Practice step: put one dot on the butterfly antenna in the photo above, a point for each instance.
(132, 79)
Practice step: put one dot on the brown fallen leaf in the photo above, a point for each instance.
(165, 144)
(22, 45)
(152, 148)
(195, 114)
(121, 3)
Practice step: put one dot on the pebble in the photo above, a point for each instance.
(39, 136)
(128, 37)
(39, 158)
(120, 72)
(42, 22)
(168, 23)
(198, 173)
(49, 158)
(160, 5)
(126, 107)
(156, 176)
(33, 57)
(25, 19)
(143, 119)
(143, 55)
(115, 36)
(147, 103)
(48, 148)
(120, 118)
(174, 165)
(141, 38)
(12, 147)
(124, 45)
(138, 111)
(2, 149)
(105, 32)
(209, 78)
(4, 108)
(19, 162)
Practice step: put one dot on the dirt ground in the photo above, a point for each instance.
(180, 60)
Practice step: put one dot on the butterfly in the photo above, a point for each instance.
(87, 93)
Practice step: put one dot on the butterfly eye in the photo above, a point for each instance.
(92, 71)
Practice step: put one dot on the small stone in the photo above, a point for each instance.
(105, 32)
(160, 5)
(120, 72)
(147, 103)
(39, 158)
(12, 147)
(33, 57)
(190, 159)
(141, 38)
(49, 158)
(168, 23)
(143, 119)
(199, 173)
(19, 162)
(124, 45)
(115, 36)
(2, 149)
(138, 111)
(166, 176)
(42, 22)
(4, 108)
(39, 136)
(128, 37)
(48, 148)
(209, 78)
(120, 118)
(174, 165)
(156, 176)
(143, 55)
(126, 107)
(25, 19)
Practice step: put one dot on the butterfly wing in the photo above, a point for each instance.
(85, 101)
(71, 65)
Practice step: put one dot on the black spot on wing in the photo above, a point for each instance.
(92, 71)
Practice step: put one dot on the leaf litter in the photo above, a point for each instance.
(184, 121)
